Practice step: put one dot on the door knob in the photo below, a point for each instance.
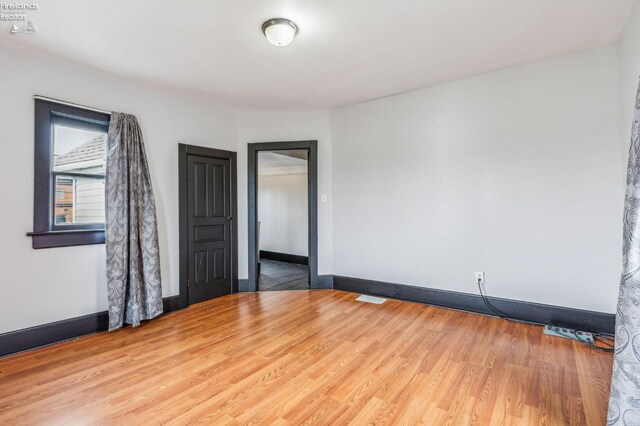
(228, 218)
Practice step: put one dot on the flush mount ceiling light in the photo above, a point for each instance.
(279, 31)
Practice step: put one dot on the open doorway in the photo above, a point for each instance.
(283, 234)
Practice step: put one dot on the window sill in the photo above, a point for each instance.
(80, 237)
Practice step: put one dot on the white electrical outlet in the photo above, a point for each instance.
(323, 198)
(480, 277)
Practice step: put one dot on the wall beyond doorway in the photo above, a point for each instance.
(282, 213)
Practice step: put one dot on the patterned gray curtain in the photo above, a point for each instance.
(624, 401)
(133, 258)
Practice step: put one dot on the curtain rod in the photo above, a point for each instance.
(58, 101)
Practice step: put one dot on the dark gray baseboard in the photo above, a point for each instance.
(171, 303)
(325, 281)
(46, 334)
(527, 311)
(243, 285)
(284, 257)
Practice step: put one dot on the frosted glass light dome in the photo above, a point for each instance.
(279, 31)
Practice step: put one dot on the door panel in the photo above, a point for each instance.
(209, 211)
(211, 233)
(219, 265)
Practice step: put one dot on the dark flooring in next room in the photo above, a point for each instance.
(276, 275)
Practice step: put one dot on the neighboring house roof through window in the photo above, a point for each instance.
(89, 155)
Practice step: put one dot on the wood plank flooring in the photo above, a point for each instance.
(309, 357)
(276, 276)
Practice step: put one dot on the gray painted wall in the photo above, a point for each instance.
(283, 213)
(42, 286)
(516, 173)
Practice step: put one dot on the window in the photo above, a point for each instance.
(70, 163)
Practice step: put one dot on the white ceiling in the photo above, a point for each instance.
(346, 51)
(268, 159)
(282, 162)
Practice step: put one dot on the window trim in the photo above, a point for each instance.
(46, 233)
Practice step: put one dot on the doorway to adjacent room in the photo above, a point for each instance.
(282, 216)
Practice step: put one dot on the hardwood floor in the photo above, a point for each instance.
(276, 275)
(301, 357)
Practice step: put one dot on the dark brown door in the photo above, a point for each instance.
(209, 223)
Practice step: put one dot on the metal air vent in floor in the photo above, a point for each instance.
(371, 299)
